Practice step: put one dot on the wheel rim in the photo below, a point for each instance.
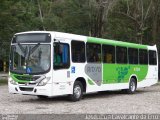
(133, 86)
(77, 91)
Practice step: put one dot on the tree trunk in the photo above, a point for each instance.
(40, 14)
(155, 9)
(102, 7)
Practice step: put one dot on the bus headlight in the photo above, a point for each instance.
(44, 81)
(12, 81)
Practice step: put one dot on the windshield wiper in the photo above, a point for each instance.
(22, 49)
(34, 48)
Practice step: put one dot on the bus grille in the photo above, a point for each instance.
(23, 83)
(25, 89)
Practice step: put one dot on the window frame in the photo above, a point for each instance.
(147, 57)
(11, 57)
(84, 51)
(133, 56)
(126, 55)
(97, 62)
(105, 46)
(69, 60)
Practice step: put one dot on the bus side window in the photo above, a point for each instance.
(121, 55)
(143, 56)
(108, 54)
(133, 55)
(78, 51)
(152, 57)
(61, 56)
(93, 52)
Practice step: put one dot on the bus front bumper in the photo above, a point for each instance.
(30, 89)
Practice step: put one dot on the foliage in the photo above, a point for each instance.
(126, 20)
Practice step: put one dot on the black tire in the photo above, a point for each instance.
(77, 92)
(132, 86)
(42, 96)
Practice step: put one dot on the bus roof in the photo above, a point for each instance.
(91, 39)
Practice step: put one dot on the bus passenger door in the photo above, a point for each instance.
(61, 65)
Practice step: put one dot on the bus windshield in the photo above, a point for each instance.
(30, 58)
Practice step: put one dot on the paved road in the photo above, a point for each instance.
(146, 100)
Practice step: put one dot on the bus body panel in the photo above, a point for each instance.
(98, 76)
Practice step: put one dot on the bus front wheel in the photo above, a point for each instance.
(77, 91)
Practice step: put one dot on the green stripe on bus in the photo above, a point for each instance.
(90, 82)
(115, 43)
(14, 77)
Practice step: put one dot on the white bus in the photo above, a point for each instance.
(45, 64)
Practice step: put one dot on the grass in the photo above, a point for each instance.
(3, 82)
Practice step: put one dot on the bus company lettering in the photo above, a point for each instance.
(137, 69)
(94, 71)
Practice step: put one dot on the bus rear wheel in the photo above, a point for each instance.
(132, 86)
(77, 91)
